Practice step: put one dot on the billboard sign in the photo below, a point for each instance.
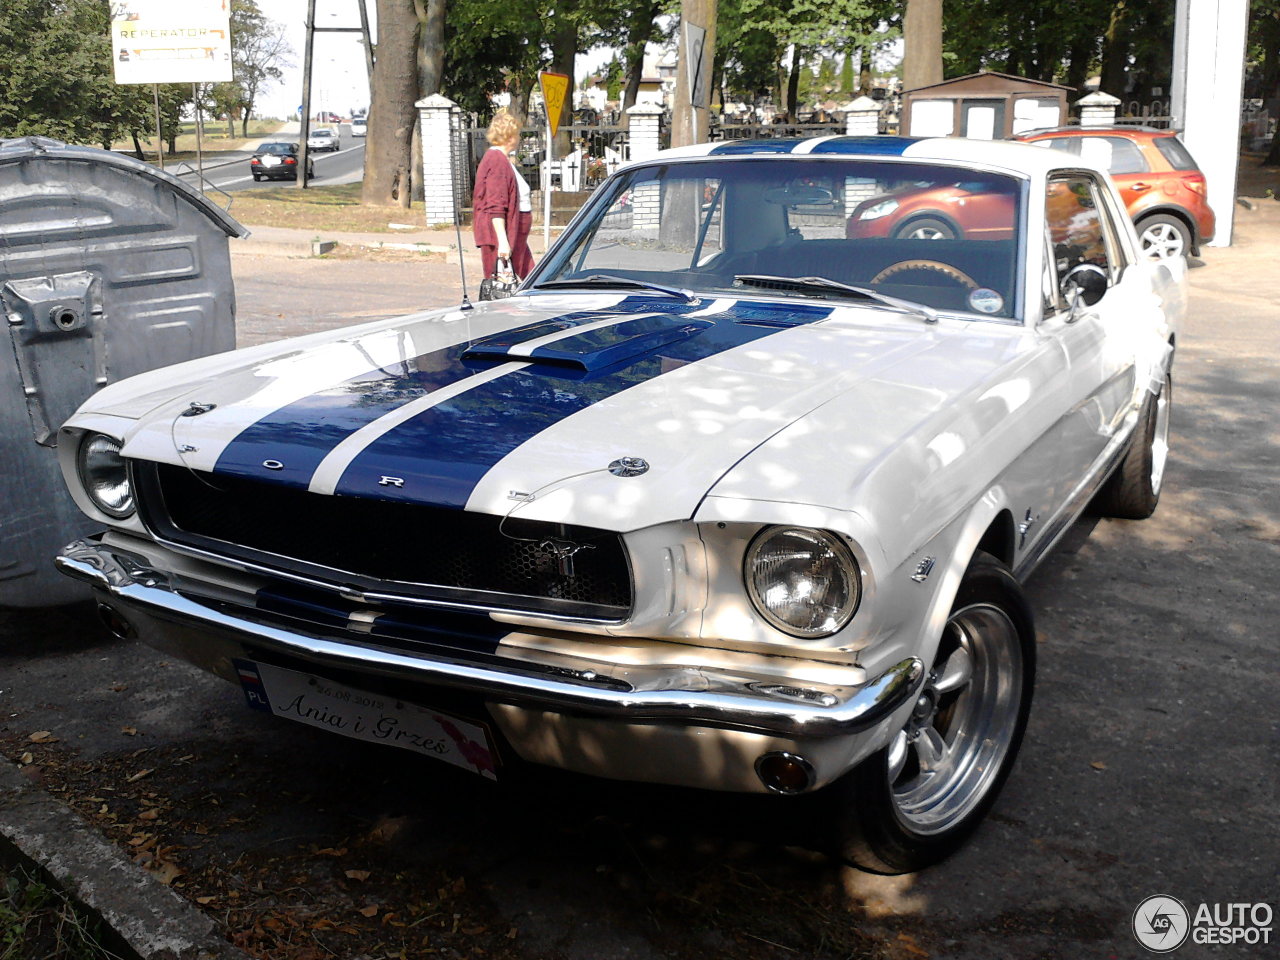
(159, 41)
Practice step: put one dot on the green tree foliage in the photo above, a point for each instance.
(259, 54)
(56, 78)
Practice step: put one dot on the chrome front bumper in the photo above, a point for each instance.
(167, 614)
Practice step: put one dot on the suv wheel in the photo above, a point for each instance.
(1163, 237)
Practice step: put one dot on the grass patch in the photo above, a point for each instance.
(37, 922)
(319, 208)
(215, 139)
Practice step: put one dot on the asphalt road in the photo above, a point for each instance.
(331, 168)
(1149, 765)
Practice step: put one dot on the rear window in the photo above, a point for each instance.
(1179, 157)
(279, 149)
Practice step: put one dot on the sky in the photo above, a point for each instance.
(338, 79)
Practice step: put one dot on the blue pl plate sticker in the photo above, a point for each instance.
(986, 300)
(251, 683)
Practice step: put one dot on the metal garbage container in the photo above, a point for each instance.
(108, 267)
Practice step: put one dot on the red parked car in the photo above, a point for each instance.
(1162, 187)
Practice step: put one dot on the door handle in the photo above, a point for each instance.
(1139, 187)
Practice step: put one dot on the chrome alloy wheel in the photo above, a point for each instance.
(950, 753)
(928, 233)
(1161, 241)
(1160, 439)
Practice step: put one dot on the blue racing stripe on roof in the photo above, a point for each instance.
(866, 146)
(442, 453)
(778, 145)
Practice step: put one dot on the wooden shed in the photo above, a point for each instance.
(984, 106)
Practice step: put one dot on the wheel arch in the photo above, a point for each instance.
(919, 215)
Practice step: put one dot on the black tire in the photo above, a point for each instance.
(926, 228)
(257, 178)
(1133, 490)
(891, 816)
(1162, 236)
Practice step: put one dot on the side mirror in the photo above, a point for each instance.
(1084, 284)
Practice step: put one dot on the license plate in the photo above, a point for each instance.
(271, 161)
(371, 717)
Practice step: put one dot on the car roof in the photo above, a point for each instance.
(1020, 159)
(1111, 131)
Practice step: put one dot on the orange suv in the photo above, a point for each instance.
(1162, 187)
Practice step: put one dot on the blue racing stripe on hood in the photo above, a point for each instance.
(301, 434)
(444, 452)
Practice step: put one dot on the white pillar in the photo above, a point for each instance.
(862, 118)
(1208, 81)
(1098, 109)
(440, 162)
(645, 131)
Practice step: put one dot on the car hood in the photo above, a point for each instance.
(617, 412)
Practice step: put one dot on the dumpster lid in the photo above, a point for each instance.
(25, 148)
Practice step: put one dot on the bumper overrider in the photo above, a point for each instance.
(727, 727)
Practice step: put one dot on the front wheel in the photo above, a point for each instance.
(1132, 492)
(926, 228)
(915, 802)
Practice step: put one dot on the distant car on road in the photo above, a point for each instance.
(278, 160)
(1163, 189)
(324, 138)
(359, 127)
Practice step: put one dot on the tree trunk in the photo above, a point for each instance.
(793, 85)
(231, 125)
(564, 52)
(639, 30)
(519, 87)
(1078, 68)
(1115, 53)
(388, 162)
(137, 145)
(690, 124)
(431, 48)
(922, 44)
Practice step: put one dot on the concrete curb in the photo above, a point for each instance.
(148, 919)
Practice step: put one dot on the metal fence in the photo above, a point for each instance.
(1153, 114)
(594, 153)
(752, 131)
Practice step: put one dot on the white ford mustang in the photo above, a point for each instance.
(737, 492)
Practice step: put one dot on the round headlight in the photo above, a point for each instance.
(104, 475)
(804, 582)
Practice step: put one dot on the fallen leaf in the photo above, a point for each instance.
(166, 871)
(26, 758)
(361, 875)
(139, 775)
(117, 688)
(42, 736)
(332, 852)
(204, 901)
(512, 933)
(370, 911)
(141, 838)
(202, 830)
(151, 814)
(129, 731)
(1098, 765)
(910, 946)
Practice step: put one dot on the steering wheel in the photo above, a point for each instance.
(926, 266)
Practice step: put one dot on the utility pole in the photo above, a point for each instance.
(312, 30)
(689, 114)
(922, 44)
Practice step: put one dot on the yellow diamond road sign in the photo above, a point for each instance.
(555, 87)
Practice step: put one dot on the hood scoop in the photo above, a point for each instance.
(588, 347)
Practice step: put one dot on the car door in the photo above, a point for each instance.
(1125, 163)
(1097, 341)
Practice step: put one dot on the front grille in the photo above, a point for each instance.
(434, 553)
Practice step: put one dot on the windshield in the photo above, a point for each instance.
(935, 235)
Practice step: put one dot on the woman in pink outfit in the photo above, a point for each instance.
(501, 203)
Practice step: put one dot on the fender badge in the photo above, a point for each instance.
(629, 467)
(195, 409)
(273, 464)
(923, 569)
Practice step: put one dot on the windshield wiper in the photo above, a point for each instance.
(928, 314)
(608, 280)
